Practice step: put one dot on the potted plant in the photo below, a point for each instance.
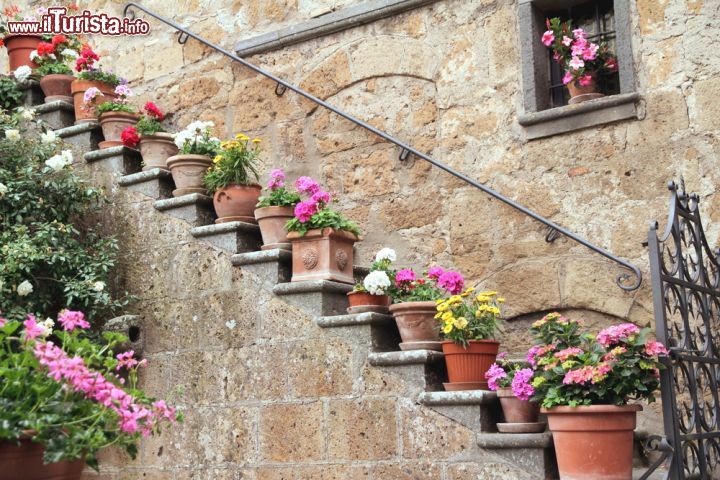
(156, 145)
(91, 76)
(512, 383)
(582, 60)
(66, 395)
(19, 45)
(230, 180)
(54, 73)
(196, 147)
(468, 324)
(585, 384)
(322, 239)
(371, 295)
(414, 305)
(114, 115)
(274, 210)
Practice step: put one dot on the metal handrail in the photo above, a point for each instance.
(282, 86)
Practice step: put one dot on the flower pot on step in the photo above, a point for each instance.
(112, 124)
(272, 222)
(156, 149)
(467, 365)
(236, 203)
(323, 254)
(25, 462)
(593, 442)
(417, 325)
(361, 302)
(86, 113)
(521, 416)
(187, 171)
(56, 86)
(582, 93)
(19, 47)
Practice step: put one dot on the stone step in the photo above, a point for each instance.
(532, 452)
(421, 370)
(156, 183)
(383, 332)
(56, 115)
(234, 237)
(316, 297)
(270, 266)
(405, 357)
(478, 410)
(33, 93)
(118, 160)
(83, 136)
(194, 208)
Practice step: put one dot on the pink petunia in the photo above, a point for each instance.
(548, 38)
(567, 78)
(576, 63)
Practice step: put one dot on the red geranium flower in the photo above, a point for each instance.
(58, 39)
(88, 53)
(80, 64)
(45, 48)
(2, 44)
(130, 137)
(154, 111)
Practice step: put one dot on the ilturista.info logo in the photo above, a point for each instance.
(57, 20)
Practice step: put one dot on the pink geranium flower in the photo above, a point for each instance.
(277, 178)
(520, 384)
(307, 185)
(70, 320)
(32, 328)
(305, 210)
(453, 282)
(435, 272)
(404, 276)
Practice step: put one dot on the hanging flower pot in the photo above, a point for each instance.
(361, 302)
(187, 171)
(272, 222)
(521, 416)
(467, 365)
(323, 254)
(83, 111)
(593, 442)
(156, 149)
(19, 47)
(582, 93)
(417, 325)
(112, 124)
(236, 203)
(56, 86)
(25, 462)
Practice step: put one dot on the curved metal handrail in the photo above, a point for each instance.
(282, 86)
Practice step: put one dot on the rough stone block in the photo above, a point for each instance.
(320, 367)
(270, 266)
(118, 160)
(476, 409)
(83, 137)
(317, 297)
(248, 375)
(383, 332)
(234, 237)
(532, 452)
(155, 183)
(362, 429)
(196, 209)
(291, 432)
(56, 115)
(428, 435)
(131, 327)
(420, 370)
(33, 93)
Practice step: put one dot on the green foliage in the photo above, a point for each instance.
(279, 197)
(197, 139)
(114, 107)
(11, 95)
(100, 76)
(467, 317)
(53, 68)
(323, 219)
(148, 126)
(235, 164)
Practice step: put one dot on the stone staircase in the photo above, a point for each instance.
(416, 376)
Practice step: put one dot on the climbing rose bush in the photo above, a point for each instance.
(615, 366)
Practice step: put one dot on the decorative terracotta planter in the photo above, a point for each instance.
(579, 93)
(25, 462)
(272, 222)
(467, 365)
(236, 203)
(595, 442)
(521, 416)
(361, 302)
(112, 124)
(323, 254)
(78, 88)
(156, 149)
(187, 172)
(417, 325)
(19, 47)
(56, 86)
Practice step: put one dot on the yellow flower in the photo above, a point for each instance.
(483, 298)
(439, 301)
(455, 299)
(539, 323)
(217, 159)
(442, 307)
(470, 290)
(483, 308)
(447, 328)
(224, 143)
(501, 300)
(438, 315)
(494, 310)
(242, 136)
(256, 140)
(461, 323)
(447, 316)
(490, 293)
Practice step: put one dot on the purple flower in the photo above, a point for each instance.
(305, 210)
(521, 384)
(494, 373)
(453, 282)
(435, 272)
(307, 185)
(404, 276)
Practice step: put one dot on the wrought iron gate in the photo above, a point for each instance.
(685, 275)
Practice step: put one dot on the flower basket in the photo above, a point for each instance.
(25, 462)
(361, 302)
(417, 325)
(112, 124)
(323, 254)
(83, 112)
(272, 222)
(156, 149)
(187, 172)
(236, 203)
(593, 442)
(19, 47)
(56, 86)
(467, 365)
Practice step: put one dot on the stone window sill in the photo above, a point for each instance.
(583, 115)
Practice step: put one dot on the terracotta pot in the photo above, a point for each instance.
(595, 442)
(25, 462)
(19, 47)
(467, 365)
(579, 93)
(516, 410)
(365, 299)
(236, 203)
(272, 222)
(417, 325)
(156, 149)
(323, 254)
(187, 172)
(112, 124)
(56, 86)
(86, 113)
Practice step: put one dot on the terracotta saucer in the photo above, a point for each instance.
(535, 427)
(368, 308)
(427, 345)
(455, 386)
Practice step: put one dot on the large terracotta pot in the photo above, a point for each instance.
(236, 203)
(323, 254)
(580, 93)
(594, 442)
(272, 222)
(156, 149)
(112, 124)
(86, 113)
(467, 365)
(25, 462)
(19, 47)
(417, 325)
(188, 171)
(56, 86)
(366, 302)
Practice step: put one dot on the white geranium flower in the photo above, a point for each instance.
(48, 137)
(69, 53)
(24, 289)
(34, 54)
(386, 254)
(26, 113)
(12, 134)
(3, 189)
(99, 286)
(22, 73)
(377, 282)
